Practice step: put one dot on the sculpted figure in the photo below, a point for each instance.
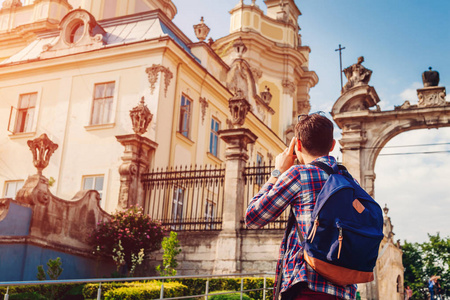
(356, 75)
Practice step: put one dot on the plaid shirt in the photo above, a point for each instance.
(299, 187)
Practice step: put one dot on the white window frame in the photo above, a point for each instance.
(18, 184)
(181, 116)
(112, 105)
(95, 178)
(13, 117)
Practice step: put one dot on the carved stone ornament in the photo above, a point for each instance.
(152, 73)
(239, 47)
(42, 149)
(11, 3)
(201, 30)
(141, 117)
(289, 87)
(204, 104)
(266, 96)
(79, 32)
(239, 108)
(257, 73)
(356, 75)
(431, 96)
(430, 78)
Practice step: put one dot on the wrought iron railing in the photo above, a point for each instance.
(185, 199)
(255, 176)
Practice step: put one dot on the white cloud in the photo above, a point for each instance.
(415, 187)
(410, 93)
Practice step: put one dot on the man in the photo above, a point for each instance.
(298, 186)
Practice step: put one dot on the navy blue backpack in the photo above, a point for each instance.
(347, 227)
(344, 239)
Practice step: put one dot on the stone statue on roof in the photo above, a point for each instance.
(356, 75)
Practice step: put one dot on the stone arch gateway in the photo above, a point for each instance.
(366, 129)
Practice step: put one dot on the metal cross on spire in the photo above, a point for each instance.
(340, 62)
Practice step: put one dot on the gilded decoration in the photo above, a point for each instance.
(141, 117)
(204, 104)
(42, 149)
(153, 72)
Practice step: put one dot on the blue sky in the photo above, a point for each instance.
(399, 40)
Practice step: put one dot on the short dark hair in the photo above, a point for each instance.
(315, 131)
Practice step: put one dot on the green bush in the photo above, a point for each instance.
(233, 296)
(61, 292)
(90, 289)
(197, 285)
(149, 290)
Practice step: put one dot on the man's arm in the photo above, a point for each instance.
(273, 199)
(276, 194)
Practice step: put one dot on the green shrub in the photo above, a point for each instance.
(197, 285)
(233, 296)
(27, 296)
(149, 290)
(63, 292)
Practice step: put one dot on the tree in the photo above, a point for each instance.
(171, 248)
(421, 261)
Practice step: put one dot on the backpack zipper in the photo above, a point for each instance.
(312, 234)
(341, 237)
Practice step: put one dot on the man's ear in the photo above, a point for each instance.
(299, 145)
(332, 146)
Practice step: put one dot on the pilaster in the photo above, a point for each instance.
(136, 161)
(236, 154)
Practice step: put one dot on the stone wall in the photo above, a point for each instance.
(38, 226)
(200, 255)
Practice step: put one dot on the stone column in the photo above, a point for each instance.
(136, 158)
(228, 245)
(136, 161)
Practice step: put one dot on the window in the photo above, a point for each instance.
(260, 169)
(102, 103)
(76, 33)
(25, 113)
(214, 137)
(185, 116)
(12, 187)
(209, 214)
(177, 207)
(94, 183)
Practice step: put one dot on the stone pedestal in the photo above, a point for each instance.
(228, 244)
(136, 161)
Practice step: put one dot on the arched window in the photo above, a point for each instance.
(399, 284)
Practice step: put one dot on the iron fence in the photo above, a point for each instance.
(255, 176)
(185, 199)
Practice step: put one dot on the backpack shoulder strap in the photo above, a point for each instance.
(329, 170)
(323, 166)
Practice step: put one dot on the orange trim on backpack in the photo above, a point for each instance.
(338, 275)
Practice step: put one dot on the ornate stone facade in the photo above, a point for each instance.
(153, 72)
(79, 32)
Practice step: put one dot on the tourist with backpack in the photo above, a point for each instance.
(335, 228)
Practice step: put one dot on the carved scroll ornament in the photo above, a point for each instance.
(153, 72)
